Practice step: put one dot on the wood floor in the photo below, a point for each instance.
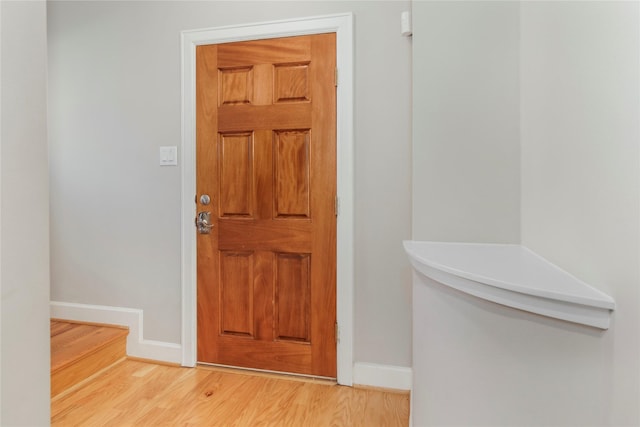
(134, 393)
(80, 350)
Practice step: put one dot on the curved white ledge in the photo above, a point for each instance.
(514, 276)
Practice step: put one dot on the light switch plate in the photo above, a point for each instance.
(405, 24)
(169, 156)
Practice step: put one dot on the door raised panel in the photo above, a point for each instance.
(236, 293)
(236, 174)
(293, 297)
(236, 86)
(291, 83)
(292, 174)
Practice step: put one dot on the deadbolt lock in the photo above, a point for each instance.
(203, 222)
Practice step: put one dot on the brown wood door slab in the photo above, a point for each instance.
(266, 156)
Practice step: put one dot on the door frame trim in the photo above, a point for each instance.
(342, 25)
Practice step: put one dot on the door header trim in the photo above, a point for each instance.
(342, 25)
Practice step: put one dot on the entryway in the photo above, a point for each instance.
(342, 28)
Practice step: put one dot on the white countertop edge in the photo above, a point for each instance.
(593, 309)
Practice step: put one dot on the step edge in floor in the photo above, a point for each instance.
(84, 353)
(82, 322)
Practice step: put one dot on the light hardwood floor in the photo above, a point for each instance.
(134, 393)
(79, 350)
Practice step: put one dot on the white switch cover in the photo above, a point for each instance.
(405, 24)
(168, 156)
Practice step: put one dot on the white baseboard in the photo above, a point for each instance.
(137, 346)
(384, 376)
(365, 374)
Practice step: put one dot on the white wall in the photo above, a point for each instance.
(466, 179)
(578, 110)
(115, 214)
(580, 102)
(24, 213)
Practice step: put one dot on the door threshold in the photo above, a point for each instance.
(267, 373)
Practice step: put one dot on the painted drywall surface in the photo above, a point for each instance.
(466, 187)
(578, 112)
(466, 152)
(115, 98)
(581, 174)
(504, 367)
(24, 212)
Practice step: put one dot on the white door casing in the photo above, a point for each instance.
(342, 25)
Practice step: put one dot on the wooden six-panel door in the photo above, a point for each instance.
(266, 157)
